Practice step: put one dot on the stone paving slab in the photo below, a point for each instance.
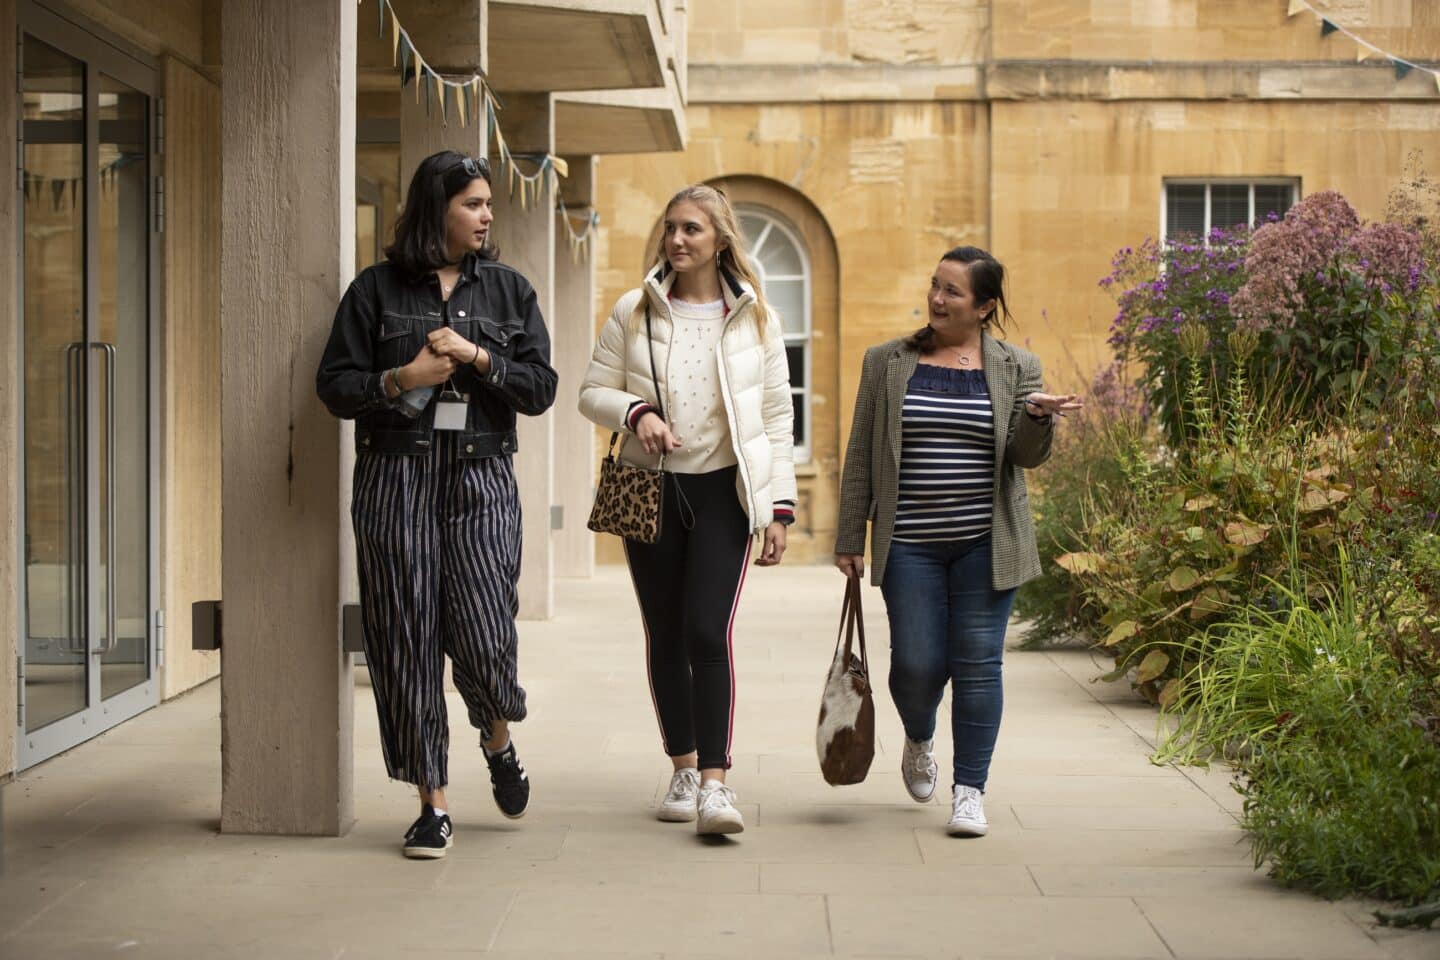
(113, 849)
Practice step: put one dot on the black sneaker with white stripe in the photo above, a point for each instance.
(508, 779)
(430, 836)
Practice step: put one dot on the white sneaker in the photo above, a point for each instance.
(715, 810)
(681, 799)
(967, 816)
(918, 769)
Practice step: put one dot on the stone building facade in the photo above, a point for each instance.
(1050, 132)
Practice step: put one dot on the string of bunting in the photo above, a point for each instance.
(1367, 50)
(470, 96)
(579, 241)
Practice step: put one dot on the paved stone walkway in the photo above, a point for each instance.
(112, 849)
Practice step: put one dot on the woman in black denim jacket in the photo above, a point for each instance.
(433, 353)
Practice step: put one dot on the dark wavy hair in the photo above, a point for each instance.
(419, 246)
(987, 282)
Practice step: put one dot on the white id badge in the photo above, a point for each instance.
(450, 411)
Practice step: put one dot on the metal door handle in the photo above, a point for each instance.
(110, 641)
(75, 640)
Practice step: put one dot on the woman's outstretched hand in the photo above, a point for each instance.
(851, 564)
(1041, 404)
(655, 435)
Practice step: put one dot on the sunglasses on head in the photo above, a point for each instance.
(472, 167)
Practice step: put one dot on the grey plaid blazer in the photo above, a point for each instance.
(870, 481)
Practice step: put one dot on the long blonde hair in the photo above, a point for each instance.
(732, 258)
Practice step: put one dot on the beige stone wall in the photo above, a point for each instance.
(893, 185)
(1213, 30)
(9, 420)
(1074, 182)
(837, 31)
(190, 467)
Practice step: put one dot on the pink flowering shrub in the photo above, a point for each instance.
(1283, 254)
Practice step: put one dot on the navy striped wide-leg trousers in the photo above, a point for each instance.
(438, 547)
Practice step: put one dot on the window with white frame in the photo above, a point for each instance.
(1192, 208)
(784, 267)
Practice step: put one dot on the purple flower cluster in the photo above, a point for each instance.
(1388, 253)
(1311, 237)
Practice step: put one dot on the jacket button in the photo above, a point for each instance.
(460, 313)
(469, 448)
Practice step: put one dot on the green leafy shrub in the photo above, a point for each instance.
(1337, 772)
(1347, 802)
(1088, 454)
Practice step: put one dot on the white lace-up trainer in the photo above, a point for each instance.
(967, 816)
(716, 811)
(918, 769)
(683, 797)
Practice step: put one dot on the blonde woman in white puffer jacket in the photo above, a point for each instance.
(722, 417)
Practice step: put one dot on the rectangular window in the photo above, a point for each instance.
(1192, 208)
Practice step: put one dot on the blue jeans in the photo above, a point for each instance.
(948, 624)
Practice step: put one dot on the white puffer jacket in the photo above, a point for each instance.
(754, 385)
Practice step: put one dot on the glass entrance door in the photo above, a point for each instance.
(88, 651)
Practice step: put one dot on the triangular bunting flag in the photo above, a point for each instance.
(404, 44)
(1402, 69)
(381, 5)
(460, 98)
(562, 166)
(1326, 27)
(1437, 82)
(1296, 6)
(419, 65)
(1365, 53)
(395, 40)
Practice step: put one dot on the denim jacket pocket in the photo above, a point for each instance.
(396, 340)
(498, 336)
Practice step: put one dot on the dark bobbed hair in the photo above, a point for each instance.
(987, 282)
(419, 247)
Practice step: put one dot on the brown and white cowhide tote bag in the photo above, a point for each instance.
(845, 735)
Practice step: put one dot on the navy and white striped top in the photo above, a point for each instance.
(947, 456)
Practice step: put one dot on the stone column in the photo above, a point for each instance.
(288, 133)
(10, 530)
(527, 243)
(573, 328)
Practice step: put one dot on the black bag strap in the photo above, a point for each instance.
(852, 624)
(654, 378)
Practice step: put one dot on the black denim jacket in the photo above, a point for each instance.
(383, 322)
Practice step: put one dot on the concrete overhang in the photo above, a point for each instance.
(619, 121)
(538, 46)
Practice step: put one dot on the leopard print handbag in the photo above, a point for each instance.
(630, 500)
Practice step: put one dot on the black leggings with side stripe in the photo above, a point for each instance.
(437, 541)
(688, 584)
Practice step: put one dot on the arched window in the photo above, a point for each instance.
(784, 269)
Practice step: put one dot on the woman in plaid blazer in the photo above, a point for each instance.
(946, 422)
